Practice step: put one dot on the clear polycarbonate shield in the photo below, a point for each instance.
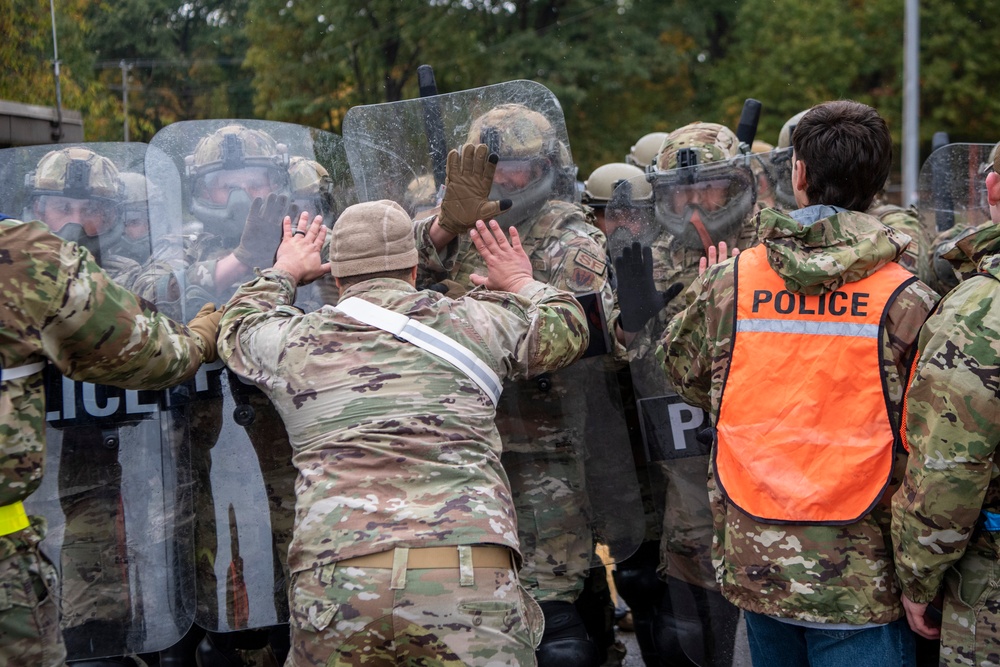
(953, 202)
(676, 439)
(112, 494)
(773, 171)
(242, 478)
(566, 443)
(397, 150)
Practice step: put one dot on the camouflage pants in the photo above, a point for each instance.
(29, 614)
(552, 522)
(355, 616)
(970, 625)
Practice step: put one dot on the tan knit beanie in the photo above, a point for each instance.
(372, 237)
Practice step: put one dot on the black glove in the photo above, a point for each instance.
(262, 232)
(638, 297)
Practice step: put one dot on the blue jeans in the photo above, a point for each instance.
(777, 644)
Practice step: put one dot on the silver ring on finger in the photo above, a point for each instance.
(298, 231)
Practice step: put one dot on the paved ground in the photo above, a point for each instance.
(634, 659)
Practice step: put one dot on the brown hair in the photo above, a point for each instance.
(847, 149)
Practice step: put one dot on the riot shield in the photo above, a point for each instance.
(692, 621)
(566, 442)
(389, 149)
(952, 203)
(113, 493)
(774, 179)
(242, 478)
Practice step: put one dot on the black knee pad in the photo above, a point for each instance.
(636, 578)
(565, 642)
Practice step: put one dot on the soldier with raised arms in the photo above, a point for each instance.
(405, 543)
(60, 307)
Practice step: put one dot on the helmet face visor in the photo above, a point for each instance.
(215, 188)
(95, 216)
(720, 195)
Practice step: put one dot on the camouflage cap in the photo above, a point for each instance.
(760, 146)
(785, 136)
(235, 147)
(421, 194)
(76, 172)
(515, 131)
(712, 143)
(645, 149)
(372, 237)
(599, 186)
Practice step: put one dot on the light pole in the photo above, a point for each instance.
(911, 102)
(57, 131)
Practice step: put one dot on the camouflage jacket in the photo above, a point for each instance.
(953, 429)
(61, 307)
(916, 258)
(393, 446)
(823, 574)
(567, 252)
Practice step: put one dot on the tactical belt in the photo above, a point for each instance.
(434, 558)
(13, 518)
(21, 371)
(427, 339)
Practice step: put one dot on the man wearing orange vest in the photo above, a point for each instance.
(799, 348)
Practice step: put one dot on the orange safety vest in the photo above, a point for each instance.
(804, 434)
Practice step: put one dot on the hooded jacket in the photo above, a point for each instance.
(814, 573)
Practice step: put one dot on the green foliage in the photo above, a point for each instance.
(621, 68)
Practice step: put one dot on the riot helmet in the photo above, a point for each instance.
(533, 165)
(311, 188)
(781, 161)
(703, 188)
(77, 193)
(601, 183)
(599, 188)
(140, 197)
(227, 171)
(644, 151)
(421, 195)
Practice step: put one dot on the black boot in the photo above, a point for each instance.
(565, 642)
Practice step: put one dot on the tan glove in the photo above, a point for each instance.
(205, 325)
(467, 189)
(262, 232)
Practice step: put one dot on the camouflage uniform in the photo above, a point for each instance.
(542, 457)
(815, 573)
(366, 416)
(941, 524)
(683, 519)
(72, 314)
(916, 257)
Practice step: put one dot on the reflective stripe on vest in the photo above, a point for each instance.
(804, 434)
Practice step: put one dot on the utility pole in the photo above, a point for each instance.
(57, 131)
(911, 102)
(125, 68)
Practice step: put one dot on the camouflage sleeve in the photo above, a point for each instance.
(432, 265)
(581, 265)
(694, 348)
(899, 340)
(952, 427)
(259, 311)
(556, 333)
(97, 331)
